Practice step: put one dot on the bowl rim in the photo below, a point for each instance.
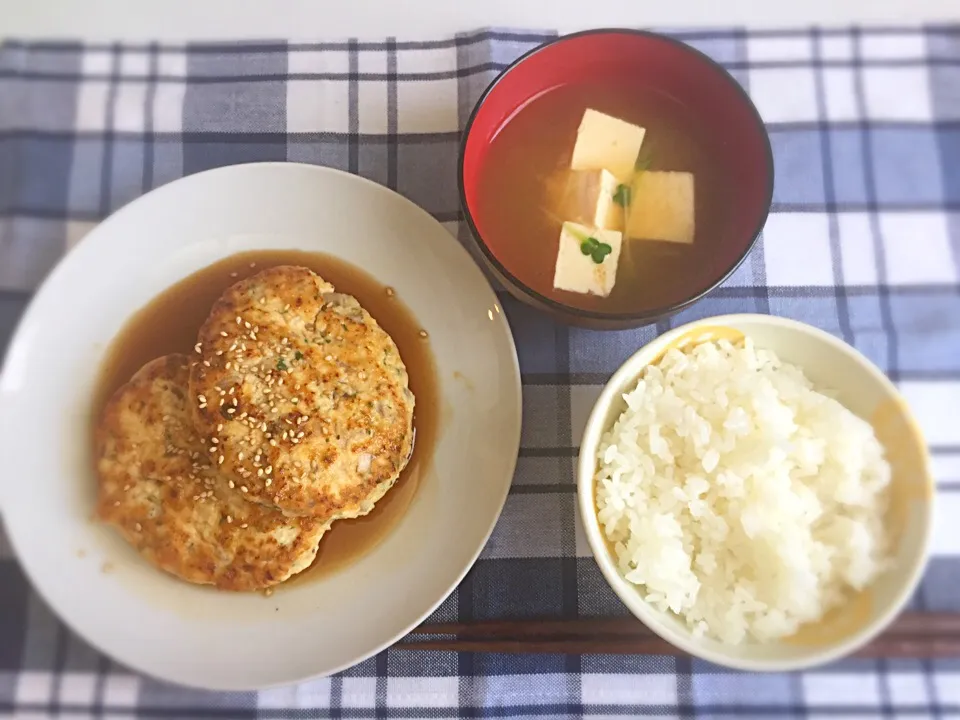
(653, 313)
(652, 618)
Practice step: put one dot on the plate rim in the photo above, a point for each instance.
(26, 319)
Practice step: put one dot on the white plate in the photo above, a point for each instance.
(202, 637)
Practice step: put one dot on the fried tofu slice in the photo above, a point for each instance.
(607, 143)
(586, 197)
(587, 260)
(661, 207)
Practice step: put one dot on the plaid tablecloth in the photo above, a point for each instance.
(863, 241)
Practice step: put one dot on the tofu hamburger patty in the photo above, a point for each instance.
(158, 485)
(303, 394)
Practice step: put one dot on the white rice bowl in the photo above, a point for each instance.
(739, 498)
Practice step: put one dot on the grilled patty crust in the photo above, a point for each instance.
(159, 486)
(304, 394)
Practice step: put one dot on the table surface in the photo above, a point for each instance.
(863, 241)
(310, 19)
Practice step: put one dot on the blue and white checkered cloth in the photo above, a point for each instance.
(863, 241)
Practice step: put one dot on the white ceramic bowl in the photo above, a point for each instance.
(198, 636)
(861, 387)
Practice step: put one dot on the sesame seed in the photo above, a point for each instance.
(219, 427)
(268, 592)
(233, 389)
(263, 300)
(260, 472)
(273, 443)
(228, 365)
(231, 484)
(301, 434)
(423, 333)
(239, 457)
(221, 402)
(201, 398)
(329, 358)
(243, 488)
(220, 460)
(229, 518)
(219, 352)
(284, 341)
(206, 363)
(202, 405)
(139, 527)
(233, 274)
(197, 347)
(214, 441)
(213, 448)
(244, 525)
(253, 264)
(391, 292)
(268, 482)
(269, 469)
(231, 411)
(223, 333)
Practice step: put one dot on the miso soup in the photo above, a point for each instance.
(526, 190)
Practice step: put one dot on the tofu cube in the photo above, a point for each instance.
(586, 197)
(605, 142)
(580, 273)
(661, 207)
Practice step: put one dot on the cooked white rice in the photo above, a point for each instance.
(737, 496)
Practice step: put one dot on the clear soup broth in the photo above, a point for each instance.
(522, 231)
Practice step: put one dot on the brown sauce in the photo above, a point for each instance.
(170, 322)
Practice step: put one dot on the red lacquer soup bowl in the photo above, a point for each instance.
(698, 119)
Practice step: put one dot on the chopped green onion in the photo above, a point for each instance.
(621, 195)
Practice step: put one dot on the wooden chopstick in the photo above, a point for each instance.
(912, 635)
